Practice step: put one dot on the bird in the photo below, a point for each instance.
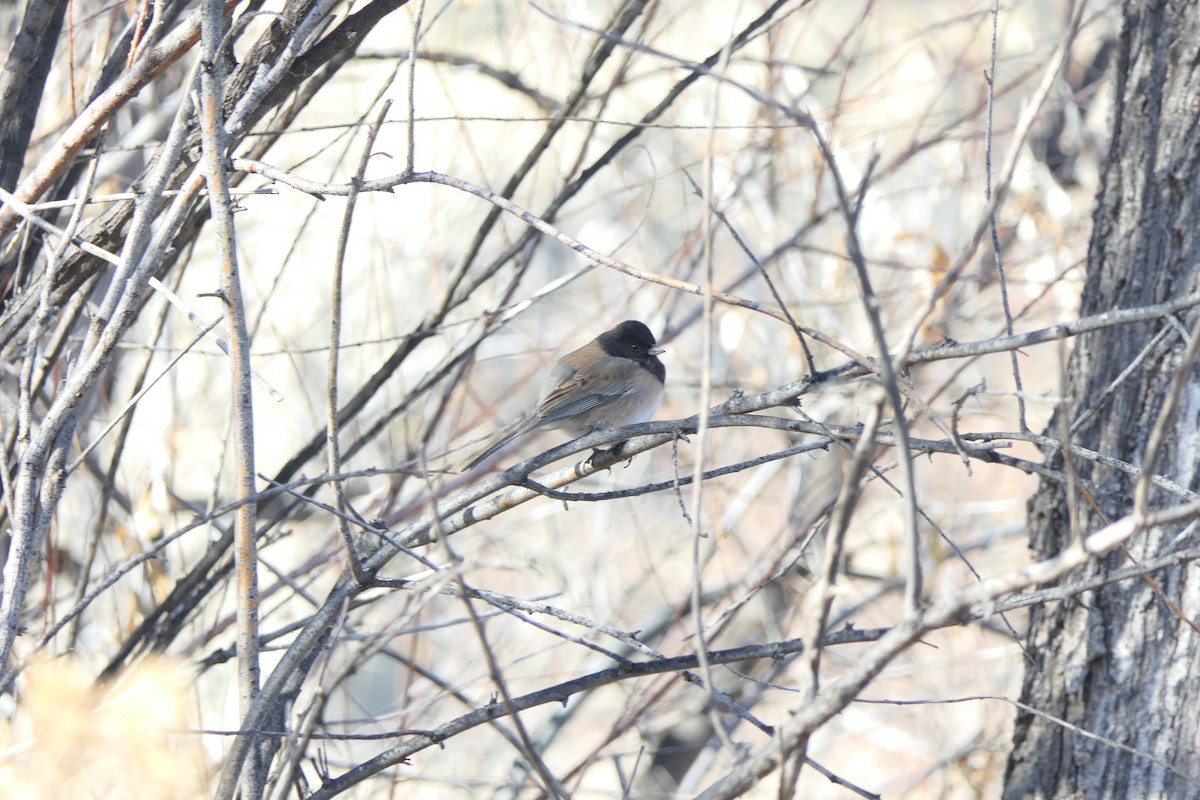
(616, 379)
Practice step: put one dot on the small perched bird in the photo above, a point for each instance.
(616, 379)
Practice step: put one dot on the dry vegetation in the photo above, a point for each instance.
(728, 189)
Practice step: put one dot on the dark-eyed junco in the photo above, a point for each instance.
(616, 379)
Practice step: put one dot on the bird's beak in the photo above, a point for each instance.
(656, 351)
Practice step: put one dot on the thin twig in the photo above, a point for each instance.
(333, 458)
(997, 255)
(214, 148)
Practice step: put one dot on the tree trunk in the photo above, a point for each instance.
(23, 80)
(1118, 662)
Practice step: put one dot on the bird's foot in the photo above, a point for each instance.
(613, 452)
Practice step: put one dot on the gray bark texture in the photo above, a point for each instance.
(1118, 662)
(23, 80)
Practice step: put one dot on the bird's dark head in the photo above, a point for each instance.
(633, 340)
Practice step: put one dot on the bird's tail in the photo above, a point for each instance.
(495, 446)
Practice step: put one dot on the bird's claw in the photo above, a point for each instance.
(600, 453)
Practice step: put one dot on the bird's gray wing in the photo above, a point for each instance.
(607, 380)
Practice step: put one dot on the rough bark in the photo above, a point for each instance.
(1118, 662)
(23, 80)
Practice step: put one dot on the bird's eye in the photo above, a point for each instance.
(637, 347)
